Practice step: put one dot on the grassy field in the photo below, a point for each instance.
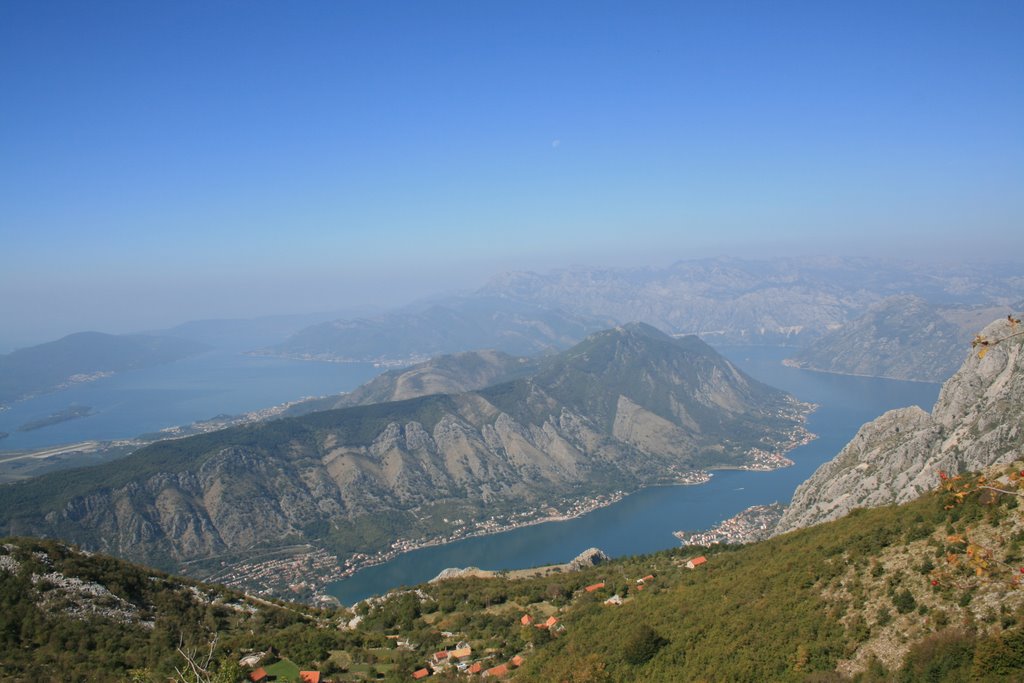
(284, 670)
(361, 671)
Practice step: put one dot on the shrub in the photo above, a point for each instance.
(904, 602)
(643, 644)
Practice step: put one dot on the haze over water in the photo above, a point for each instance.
(644, 521)
(134, 402)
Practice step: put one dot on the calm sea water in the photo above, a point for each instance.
(644, 522)
(197, 388)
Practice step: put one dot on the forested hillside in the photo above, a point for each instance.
(926, 591)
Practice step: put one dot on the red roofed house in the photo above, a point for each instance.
(526, 620)
(550, 622)
(475, 668)
(258, 676)
(516, 661)
(594, 587)
(497, 671)
(696, 562)
(309, 676)
(420, 673)
(649, 577)
(441, 656)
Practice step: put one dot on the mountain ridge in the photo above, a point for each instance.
(627, 407)
(445, 374)
(785, 301)
(445, 327)
(901, 337)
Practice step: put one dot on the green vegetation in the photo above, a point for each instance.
(57, 623)
(284, 670)
(793, 608)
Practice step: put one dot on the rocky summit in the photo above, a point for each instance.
(976, 422)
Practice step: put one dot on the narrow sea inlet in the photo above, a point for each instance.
(644, 521)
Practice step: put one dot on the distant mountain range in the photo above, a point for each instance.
(249, 333)
(755, 301)
(83, 357)
(978, 421)
(901, 337)
(452, 326)
(772, 301)
(626, 407)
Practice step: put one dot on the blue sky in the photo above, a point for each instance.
(162, 161)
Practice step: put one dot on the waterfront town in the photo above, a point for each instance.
(303, 572)
(774, 457)
(753, 524)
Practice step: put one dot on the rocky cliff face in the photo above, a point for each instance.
(624, 408)
(977, 421)
(902, 337)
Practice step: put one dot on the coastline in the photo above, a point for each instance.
(315, 570)
(165, 434)
(390, 363)
(790, 363)
(320, 568)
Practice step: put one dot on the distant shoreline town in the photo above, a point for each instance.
(753, 524)
(307, 573)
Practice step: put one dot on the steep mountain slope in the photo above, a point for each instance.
(902, 337)
(626, 407)
(861, 594)
(977, 421)
(448, 374)
(452, 326)
(80, 357)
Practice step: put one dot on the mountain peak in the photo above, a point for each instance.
(642, 330)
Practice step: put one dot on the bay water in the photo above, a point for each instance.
(134, 402)
(644, 521)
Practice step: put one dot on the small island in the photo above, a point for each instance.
(3, 435)
(70, 413)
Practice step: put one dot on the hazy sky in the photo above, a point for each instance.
(161, 161)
